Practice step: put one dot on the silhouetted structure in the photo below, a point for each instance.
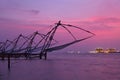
(26, 46)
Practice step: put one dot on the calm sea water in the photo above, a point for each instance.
(64, 67)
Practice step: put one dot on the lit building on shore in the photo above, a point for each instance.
(99, 50)
(108, 50)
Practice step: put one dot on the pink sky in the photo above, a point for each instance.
(99, 16)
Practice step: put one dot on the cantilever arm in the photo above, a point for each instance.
(79, 28)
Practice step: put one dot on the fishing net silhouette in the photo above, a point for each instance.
(58, 37)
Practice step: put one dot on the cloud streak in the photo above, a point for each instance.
(108, 23)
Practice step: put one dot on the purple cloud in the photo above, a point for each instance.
(34, 11)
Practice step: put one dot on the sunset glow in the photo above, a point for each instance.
(101, 17)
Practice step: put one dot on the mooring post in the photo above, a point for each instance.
(9, 61)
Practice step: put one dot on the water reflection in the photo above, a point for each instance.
(64, 67)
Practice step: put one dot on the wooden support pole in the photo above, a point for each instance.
(40, 55)
(9, 61)
(3, 57)
(45, 56)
